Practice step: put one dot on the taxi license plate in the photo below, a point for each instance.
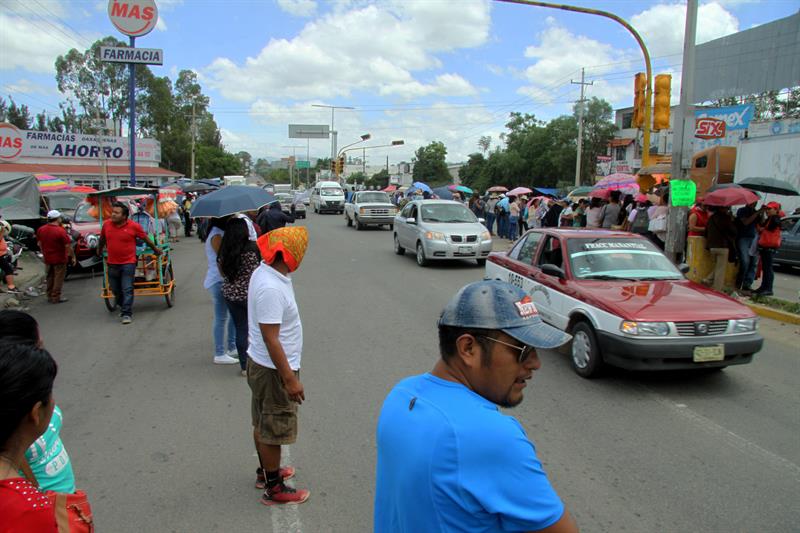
(704, 354)
(466, 250)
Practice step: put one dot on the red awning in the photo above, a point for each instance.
(619, 142)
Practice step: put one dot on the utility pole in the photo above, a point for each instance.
(583, 85)
(333, 129)
(194, 130)
(677, 219)
(364, 161)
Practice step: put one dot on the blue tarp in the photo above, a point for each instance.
(545, 191)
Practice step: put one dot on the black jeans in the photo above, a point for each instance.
(187, 225)
(239, 313)
(120, 281)
(767, 270)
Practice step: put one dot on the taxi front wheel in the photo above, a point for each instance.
(586, 359)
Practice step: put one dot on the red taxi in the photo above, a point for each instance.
(625, 303)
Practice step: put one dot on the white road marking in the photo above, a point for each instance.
(286, 517)
(741, 444)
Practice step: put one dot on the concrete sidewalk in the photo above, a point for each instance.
(28, 279)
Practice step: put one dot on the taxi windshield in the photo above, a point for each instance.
(620, 258)
(331, 191)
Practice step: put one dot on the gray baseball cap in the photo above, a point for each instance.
(494, 304)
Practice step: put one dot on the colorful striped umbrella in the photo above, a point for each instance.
(51, 183)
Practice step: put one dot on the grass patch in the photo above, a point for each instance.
(777, 303)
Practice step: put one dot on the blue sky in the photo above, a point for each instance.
(417, 70)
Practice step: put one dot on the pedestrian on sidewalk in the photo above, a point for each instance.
(56, 247)
(120, 235)
(273, 218)
(237, 259)
(223, 321)
(721, 243)
(769, 240)
(513, 219)
(5, 263)
(47, 456)
(490, 216)
(448, 458)
(746, 236)
(275, 351)
(187, 217)
(27, 373)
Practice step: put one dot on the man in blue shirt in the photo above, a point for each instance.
(448, 459)
(746, 233)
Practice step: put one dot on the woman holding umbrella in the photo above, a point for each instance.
(769, 240)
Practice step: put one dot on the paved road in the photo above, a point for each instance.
(160, 437)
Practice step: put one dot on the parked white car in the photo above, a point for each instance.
(369, 208)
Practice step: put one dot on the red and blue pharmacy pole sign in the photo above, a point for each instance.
(134, 18)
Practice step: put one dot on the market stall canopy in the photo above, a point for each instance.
(229, 200)
(49, 183)
(24, 188)
(547, 191)
(770, 186)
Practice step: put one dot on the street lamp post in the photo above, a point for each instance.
(347, 148)
(624, 23)
(333, 131)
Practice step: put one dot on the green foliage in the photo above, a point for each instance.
(429, 164)
(769, 105)
(379, 180)
(19, 116)
(261, 168)
(278, 175)
(357, 177)
(214, 162)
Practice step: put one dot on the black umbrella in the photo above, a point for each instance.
(199, 187)
(230, 200)
(770, 185)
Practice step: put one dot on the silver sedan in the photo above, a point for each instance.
(441, 229)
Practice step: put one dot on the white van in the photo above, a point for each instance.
(327, 196)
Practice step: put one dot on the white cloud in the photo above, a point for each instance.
(51, 41)
(161, 25)
(662, 26)
(341, 52)
(558, 58)
(298, 8)
(29, 87)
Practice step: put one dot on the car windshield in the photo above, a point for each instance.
(331, 191)
(283, 198)
(82, 214)
(619, 258)
(374, 197)
(64, 201)
(446, 213)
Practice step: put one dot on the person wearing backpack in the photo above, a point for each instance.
(638, 221)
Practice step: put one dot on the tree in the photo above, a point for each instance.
(598, 130)
(100, 88)
(213, 162)
(19, 116)
(278, 175)
(379, 180)
(40, 122)
(484, 143)
(429, 164)
(472, 173)
(246, 159)
(261, 168)
(356, 177)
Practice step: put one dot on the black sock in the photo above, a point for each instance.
(274, 478)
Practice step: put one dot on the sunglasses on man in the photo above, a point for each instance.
(524, 351)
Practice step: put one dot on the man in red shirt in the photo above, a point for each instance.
(56, 246)
(120, 235)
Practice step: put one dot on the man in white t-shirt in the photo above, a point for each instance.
(273, 367)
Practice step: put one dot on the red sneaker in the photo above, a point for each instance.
(280, 494)
(286, 472)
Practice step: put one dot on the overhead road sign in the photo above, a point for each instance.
(124, 54)
(309, 131)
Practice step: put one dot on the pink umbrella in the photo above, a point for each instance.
(730, 196)
(519, 191)
(615, 180)
(600, 193)
(497, 188)
(540, 198)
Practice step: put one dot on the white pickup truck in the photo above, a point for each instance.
(369, 208)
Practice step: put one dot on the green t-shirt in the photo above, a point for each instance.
(49, 459)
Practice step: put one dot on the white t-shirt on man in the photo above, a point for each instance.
(270, 300)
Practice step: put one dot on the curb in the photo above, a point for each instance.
(774, 314)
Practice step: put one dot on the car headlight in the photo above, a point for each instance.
(434, 236)
(644, 328)
(362, 211)
(392, 210)
(486, 236)
(744, 325)
(92, 240)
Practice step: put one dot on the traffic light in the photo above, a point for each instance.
(639, 102)
(338, 165)
(661, 100)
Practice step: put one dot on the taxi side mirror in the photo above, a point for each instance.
(411, 221)
(552, 270)
(684, 268)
